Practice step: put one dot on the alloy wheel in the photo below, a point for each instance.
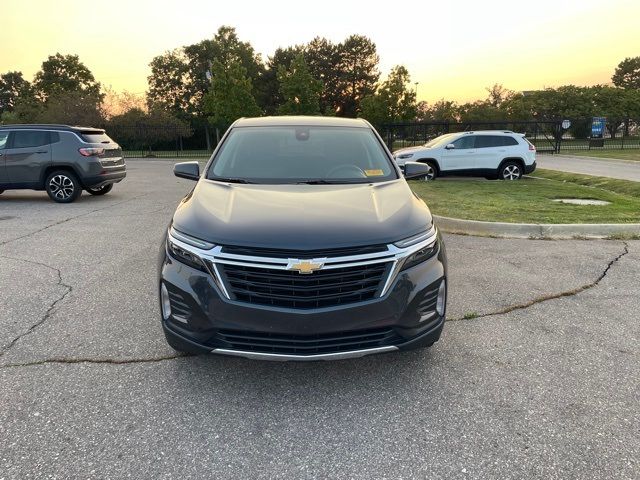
(511, 172)
(61, 187)
(431, 173)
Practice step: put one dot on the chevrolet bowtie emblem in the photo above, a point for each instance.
(305, 267)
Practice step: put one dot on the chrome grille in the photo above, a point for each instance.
(290, 289)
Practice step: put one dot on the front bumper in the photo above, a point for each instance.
(204, 320)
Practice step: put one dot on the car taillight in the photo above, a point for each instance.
(532, 147)
(91, 152)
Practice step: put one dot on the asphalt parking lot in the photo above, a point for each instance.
(544, 382)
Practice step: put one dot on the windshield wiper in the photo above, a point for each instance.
(231, 180)
(324, 181)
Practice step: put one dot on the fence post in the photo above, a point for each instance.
(558, 129)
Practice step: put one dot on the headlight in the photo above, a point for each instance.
(405, 155)
(182, 251)
(425, 246)
(421, 255)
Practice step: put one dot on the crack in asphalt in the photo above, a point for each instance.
(96, 361)
(131, 361)
(50, 309)
(60, 222)
(553, 296)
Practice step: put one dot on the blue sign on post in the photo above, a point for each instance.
(597, 127)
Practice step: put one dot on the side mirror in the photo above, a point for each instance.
(450, 146)
(188, 170)
(416, 170)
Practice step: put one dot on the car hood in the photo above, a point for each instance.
(409, 150)
(301, 217)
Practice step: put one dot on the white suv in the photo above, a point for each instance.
(491, 154)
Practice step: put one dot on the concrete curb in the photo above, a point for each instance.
(535, 230)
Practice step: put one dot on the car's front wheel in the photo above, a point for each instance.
(511, 171)
(432, 172)
(62, 186)
(100, 190)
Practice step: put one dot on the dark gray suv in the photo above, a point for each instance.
(301, 241)
(60, 159)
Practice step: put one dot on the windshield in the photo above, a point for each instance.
(289, 154)
(436, 142)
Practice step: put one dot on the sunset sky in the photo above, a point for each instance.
(453, 48)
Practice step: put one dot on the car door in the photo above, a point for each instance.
(29, 153)
(461, 157)
(490, 150)
(4, 137)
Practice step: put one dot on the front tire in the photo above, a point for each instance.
(510, 171)
(62, 186)
(432, 174)
(100, 190)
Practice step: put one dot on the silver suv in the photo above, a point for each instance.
(490, 153)
(60, 159)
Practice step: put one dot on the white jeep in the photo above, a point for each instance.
(490, 153)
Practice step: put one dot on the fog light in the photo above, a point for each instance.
(164, 301)
(442, 295)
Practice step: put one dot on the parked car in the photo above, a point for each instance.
(301, 240)
(491, 153)
(60, 159)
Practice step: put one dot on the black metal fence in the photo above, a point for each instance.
(547, 136)
(161, 141)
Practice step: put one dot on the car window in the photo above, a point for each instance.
(29, 138)
(488, 141)
(464, 142)
(290, 154)
(3, 139)
(95, 136)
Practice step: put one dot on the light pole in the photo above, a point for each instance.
(416, 84)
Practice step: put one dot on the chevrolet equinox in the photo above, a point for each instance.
(301, 240)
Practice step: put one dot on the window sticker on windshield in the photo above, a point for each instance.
(374, 173)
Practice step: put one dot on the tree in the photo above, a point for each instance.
(394, 101)
(300, 91)
(358, 73)
(230, 96)
(323, 59)
(480, 111)
(270, 86)
(64, 74)
(627, 73)
(444, 111)
(140, 130)
(498, 94)
(71, 108)
(225, 47)
(116, 103)
(12, 87)
(170, 84)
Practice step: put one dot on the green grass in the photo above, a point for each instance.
(629, 154)
(530, 200)
(622, 187)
